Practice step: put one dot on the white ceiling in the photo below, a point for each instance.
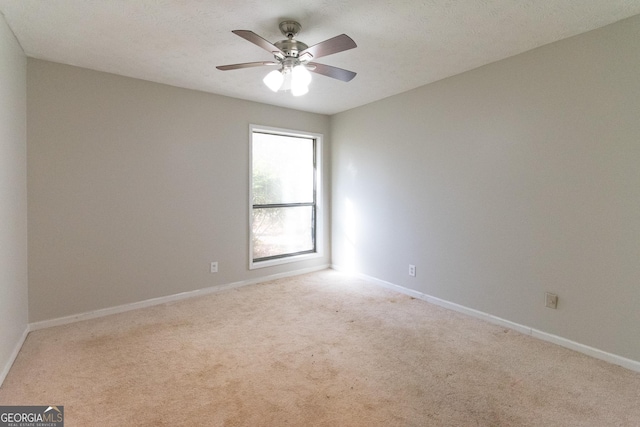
(402, 44)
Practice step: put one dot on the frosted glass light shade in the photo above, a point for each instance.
(286, 85)
(301, 75)
(300, 79)
(297, 80)
(274, 80)
(299, 90)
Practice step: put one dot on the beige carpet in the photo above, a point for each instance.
(321, 349)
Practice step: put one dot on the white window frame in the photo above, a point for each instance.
(319, 222)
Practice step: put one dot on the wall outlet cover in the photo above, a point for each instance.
(551, 300)
(412, 270)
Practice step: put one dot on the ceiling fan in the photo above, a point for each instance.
(294, 59)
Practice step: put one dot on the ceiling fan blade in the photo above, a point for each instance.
(328, 47)
(245, 65)
(259, 41)
(333, 72)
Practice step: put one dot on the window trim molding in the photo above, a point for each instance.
(319, 220)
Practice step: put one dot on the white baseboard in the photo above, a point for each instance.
(581, 348)
(163, 300)
(545, 336)
(13, 356)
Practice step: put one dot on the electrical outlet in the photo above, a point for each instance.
(214, 267)
(551, 300)
(412, 270)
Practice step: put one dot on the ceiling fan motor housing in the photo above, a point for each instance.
(291, 47)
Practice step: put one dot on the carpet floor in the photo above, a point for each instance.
(322, 349)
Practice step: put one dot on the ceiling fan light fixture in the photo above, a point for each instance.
(300, 79)
(274, 80)
(286, 85)
(299, 90)
(301, 76)
(294, 56)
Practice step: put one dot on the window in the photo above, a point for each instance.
(284, 194)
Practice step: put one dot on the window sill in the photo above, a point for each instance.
(280, 261)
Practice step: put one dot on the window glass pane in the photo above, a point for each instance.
(279, 231)
(282, 169)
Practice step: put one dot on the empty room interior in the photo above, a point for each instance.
(466, 250)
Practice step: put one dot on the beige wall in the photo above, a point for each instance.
(135, 187)
(504, 182)
(13, 196)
